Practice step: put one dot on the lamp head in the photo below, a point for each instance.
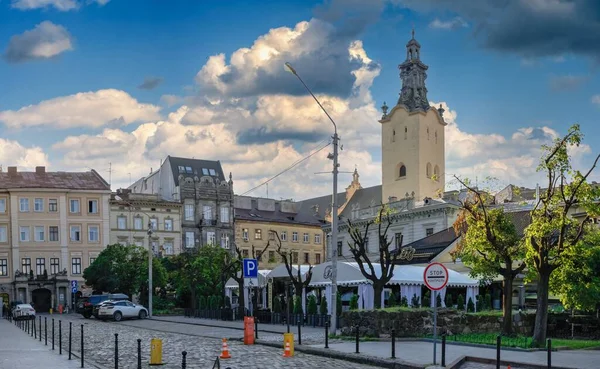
(289, 68)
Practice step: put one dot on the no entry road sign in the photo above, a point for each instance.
(435, 276)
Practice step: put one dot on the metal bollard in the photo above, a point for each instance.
(183, 361)
(40, 330)
(357, 332)
(52, 333)
(326, 334)
(139, 360)
(444, 349)
(299, 331)
(82, 346)
(60, 337)
(116, 351)
(393, 343)
(498, 344)
(70, 337)
(549, 353)
(45, 331)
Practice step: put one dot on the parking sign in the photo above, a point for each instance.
(250, 268)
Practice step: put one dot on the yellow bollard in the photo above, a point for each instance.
(156, 352)
(50, 310)
(288, 338)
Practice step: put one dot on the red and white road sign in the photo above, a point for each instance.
(435, 276)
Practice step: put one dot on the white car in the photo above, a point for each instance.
(23, 312)
(121, 309)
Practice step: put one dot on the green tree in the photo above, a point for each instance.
(403, 301)
(312, 305)
(553, 233)
(338, 304)
(427, 299)
(488, 301)
(460, 302)
(298, 305)
(449, 302)
(202, 303)
(489, 244)
(577, 281)
(470, 306)
(391, 300)
(323, 307)
(354, 302)
(414, 301)
(438, 300)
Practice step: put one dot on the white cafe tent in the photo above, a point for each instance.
(281, 272)
(262, 284)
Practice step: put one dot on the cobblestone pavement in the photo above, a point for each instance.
(203, 345)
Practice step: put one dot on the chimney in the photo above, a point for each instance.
(40, 170)
(12, 170)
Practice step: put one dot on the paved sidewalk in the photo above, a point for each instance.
(420, 352)
(19, 350)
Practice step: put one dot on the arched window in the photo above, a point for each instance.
(436, 173)
(402, 171)
(394, 135)
(428, 133)
(428, 170)
(405, 132)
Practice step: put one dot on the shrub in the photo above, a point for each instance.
(470, 306)
(449, 302)
(323, 307)
(391, 300)
(298, 305)
(202, 303)
(480, 303)
(354, 302)
(488, 301)
(338, 304)
(219, 301)
(312, 305)
(404, 301)
(460, 302)
(427, 299)
(438, 300)
(276, 305)
(415, 301)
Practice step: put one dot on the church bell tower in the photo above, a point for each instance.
(413, 159)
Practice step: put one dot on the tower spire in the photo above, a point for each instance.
(413, 95)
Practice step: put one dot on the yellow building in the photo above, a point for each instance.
(299, 229)
(52, 226)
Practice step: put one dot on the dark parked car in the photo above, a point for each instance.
(87, 305)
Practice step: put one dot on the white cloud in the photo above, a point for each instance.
(26, 158)
(596, 99)
(45, 41)
(452, 24)
(85, 109)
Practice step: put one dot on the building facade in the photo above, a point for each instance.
(132, 215)
(206, 198)
(299, 231)
(52, 226)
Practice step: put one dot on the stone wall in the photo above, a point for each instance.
(415, 323)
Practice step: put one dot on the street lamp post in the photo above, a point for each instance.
(334, 206)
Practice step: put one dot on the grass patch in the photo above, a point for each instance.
(396, 309)
(519, 341)
(496, 313)
(353, 338)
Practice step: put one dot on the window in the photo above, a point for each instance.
(339, 248)
(284, 235)
(211, 239)
(428, 170)
(76, 266)
(92, 206)
(75, 233)
(258, 234)
(38, 233)
(429, 231)
(398, 238)
(138, 223)
(2, 205)
(207, 212)
(294, 236)
(181, 169)
(23, 205)
(53, 233)
(3, 233)
(295, 257)
(54, 266)
(189, 212)
(154, 246)
(271, 256)
(405, 132)
(53, 205)
(24, 234)
(168, 224)
(38, 205)
(306, 238)
(204, 171)
(212, 172)
(245, 234)
(402, 172)
(74, 206)
(318, 238)
(40, 266)
(306, 258)
(3, 267)
(168, 247)
(245, 253)
(26, 265)
(93, 234)
(225, 241)
(189, 239)
(224, 214)
(317, 258)
(188, 170)
(428, 133)
(92, 260)
(122, 223)
(154, 224)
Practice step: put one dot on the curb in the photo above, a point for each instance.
(512, 363)
(353, 358)
(482, 345)
(218, 326)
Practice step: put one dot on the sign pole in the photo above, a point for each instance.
(435, 277)
(434, 327)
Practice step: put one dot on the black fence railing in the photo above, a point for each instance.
(263, 317)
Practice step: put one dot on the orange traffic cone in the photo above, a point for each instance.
(508, 366)
(225, 350)
(287, 352)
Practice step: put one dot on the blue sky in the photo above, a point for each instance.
(498, 75)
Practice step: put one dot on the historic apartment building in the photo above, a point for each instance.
(132, 215)
(52, 227)
(206, 198)
(299, 230)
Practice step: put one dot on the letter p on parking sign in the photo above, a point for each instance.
(250, 268)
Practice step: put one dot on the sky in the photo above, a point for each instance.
(121, 84)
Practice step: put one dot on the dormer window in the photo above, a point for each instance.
(204, 171)
(212, 172)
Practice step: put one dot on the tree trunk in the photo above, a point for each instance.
(541, 316)
(241, 299)
(378, 290)
(507, 327)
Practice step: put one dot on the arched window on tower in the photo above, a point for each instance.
(428, 170)
(428, 133)
(402, 170)
(393, 135)
(405, 132)
(436, 173)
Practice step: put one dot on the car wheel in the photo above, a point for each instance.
(142, 314)
(117, 316)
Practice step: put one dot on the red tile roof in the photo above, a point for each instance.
(59, 180)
